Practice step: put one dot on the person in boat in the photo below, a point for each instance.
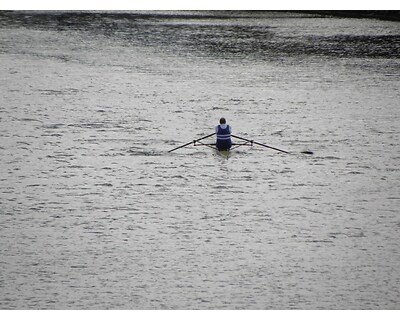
(223, 131)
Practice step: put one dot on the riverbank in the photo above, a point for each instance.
(392, 15)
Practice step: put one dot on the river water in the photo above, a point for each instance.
(96, 214)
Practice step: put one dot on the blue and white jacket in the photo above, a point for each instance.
(223, 132)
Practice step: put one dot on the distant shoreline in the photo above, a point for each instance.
(389, 15)
(392, 15)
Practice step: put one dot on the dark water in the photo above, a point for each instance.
(95, 214)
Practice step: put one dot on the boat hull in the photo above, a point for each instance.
(224, 153)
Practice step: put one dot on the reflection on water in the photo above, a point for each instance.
(226, 35)
(96, 214)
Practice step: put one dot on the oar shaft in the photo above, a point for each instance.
(181, 146)
(194, 141)
(260, 144)
(264, 145)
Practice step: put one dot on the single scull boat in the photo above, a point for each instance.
(225, 153)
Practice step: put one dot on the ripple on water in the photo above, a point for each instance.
(96, 213)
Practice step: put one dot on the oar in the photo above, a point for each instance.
(194, 141)
(260, 144)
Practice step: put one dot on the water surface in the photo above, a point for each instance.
(96, 214)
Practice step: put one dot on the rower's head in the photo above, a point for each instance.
(222, 121)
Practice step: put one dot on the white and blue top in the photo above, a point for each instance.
(223, 132)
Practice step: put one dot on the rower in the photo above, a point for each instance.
(223, 131)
